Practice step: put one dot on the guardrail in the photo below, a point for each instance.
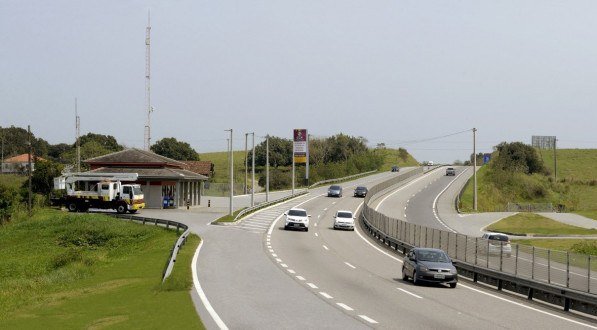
(168, 224)
(266, 204)
(552, 276)
(341, 179)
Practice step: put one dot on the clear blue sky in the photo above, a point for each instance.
(391, 71)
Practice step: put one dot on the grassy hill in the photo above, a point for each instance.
(222, 165)
(575, 189)
(392, 158)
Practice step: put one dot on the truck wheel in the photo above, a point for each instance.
(72, 207)
(121, 208)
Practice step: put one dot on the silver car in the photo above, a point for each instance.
(429, 265)
(335, 191)
(344, 220)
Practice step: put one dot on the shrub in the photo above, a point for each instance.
(585, 247)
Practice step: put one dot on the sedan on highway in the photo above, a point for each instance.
(496, 244)
(344, 220)
(335, 191)
(297, 219)
(450, 171)
(360, 191)
(429, 265)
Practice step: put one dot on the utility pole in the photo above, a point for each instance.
(293, 168)
(253, 173)
(475, 169)
(2, 162)
(231, 209)
(555, 162)
(78, 132)
(147, 139)
(266, 168)
(246, 164)
(29, 206)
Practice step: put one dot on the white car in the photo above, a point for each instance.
(496, 244)
(344, 220)
(297, 219)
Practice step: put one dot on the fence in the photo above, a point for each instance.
(521, 263)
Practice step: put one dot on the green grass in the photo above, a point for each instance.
(91, 271)
(573, 164)
(530, 223)
(222, 165)
(228, 217)
(12, 180)
(391, 158)
(551, 243)
(588, 214)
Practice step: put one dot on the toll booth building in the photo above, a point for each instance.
(165, 182)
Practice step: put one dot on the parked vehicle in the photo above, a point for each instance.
(100, 191)
(395, 168)
(450, 171)
(344, 220)
(297, 219)
(429, 265)
(335, 191)
(496, 244)
(360, 191)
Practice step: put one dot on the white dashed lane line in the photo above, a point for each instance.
(368, 319)
(312, 286)
(349, 265)
(300, 278)
(325, 247)
(316, 234)
(284, 265)
(346, 307)
(410, 293)
(291, 271)
(325, 295)
(278, 260)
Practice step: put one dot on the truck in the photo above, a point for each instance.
(100, 191)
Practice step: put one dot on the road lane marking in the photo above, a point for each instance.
(368, 319)
(375, 247)
(315, 224)
(325, 247)
(410, 293)
(334, 203)
(528, 307)
(316, 234)
(400, 188)
(325, 209)
(346, 307)
(434, 206)
(278, 260)
(202, 296)
(349, 265)
(291, 271)
(325, 295)
(271, 227)
(284, 265)
(274, 255)
(300, 278)
(319, 216)
(313, 286)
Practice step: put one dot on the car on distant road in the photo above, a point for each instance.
(450, 171)
(297, 219)
(430, 163)
(344, 220)
(496, 244)
(395, 168)
(429, 265)
(360, 191)
(335, 191)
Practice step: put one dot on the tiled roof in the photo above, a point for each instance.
(153, 173)
(133, 156)
(24, 158)
(201, 167)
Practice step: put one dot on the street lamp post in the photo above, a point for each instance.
(253, 173)
(475, 169)
(231, 208)
(267, 168)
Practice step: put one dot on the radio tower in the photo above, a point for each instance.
(147, 139)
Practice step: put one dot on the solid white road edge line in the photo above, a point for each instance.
(201, 294)
(410, 293)
(434, 206)
(349, 265)
(400, 188)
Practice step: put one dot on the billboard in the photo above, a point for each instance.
(300, 146)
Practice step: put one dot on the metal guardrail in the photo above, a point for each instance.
(266, 204)
(556, 277)
(340, 179)
(168, 224)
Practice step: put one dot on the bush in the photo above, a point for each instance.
(586, 247)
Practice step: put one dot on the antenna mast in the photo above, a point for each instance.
(147, 139)
(78, 132)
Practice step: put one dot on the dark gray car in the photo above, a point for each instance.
(429, 265)
(335, 191)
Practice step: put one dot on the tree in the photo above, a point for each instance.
(16, 142)
(402, 154)
(517, 157)
(280, 152)
(42, 178)
(108, 142)
(172, 148)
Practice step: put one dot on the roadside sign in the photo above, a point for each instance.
(300, 146)
(486, 158)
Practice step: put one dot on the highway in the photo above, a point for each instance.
(255, 275)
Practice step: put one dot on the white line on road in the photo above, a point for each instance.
(434, 207)
(315, 224)
(368, 319)
(410, 293)
(316, 234)
(274, 255)
(325, 247)
(325, 295)
(284, 265)
(201, 294)
(278, 260)
(300, 278)
(313, 286)
(346, 307)
(334, 203)
(319, 216)
(325, 209)
(291, 271)
(399, 189)
(349, 265)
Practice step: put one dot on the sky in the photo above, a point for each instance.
(395, 72)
